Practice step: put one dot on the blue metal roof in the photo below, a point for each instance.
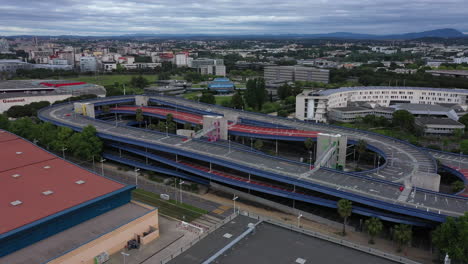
(361, 88)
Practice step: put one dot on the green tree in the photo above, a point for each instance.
(451, 237)
(374, 227)
(464, 120)
(62, 139)
(47, 134)
(403, 119)
(86, 145)
(24, 127)
(284, 91)
(308, 144)
(255, 94)
(237, 101)
(457, 186)
(4, 122)
(139, 116)
(345, 209)
(153, 127)
(258, 144)
(464, 146)
(169, 118)
(402, 234)
(208, 98)
(361, 148)
(139, 82)
(458, 132)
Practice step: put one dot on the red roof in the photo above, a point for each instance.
(26, 171)
(61, 84)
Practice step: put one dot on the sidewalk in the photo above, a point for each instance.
(170, 239)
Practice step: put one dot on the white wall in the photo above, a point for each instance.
(6, 103)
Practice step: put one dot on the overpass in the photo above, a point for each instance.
(379, 191)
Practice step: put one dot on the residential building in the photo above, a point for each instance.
(181, 59)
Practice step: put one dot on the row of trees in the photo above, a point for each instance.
(31, 109)
(402, 233)
(85, 145)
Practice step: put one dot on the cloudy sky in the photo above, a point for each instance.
(115, 17)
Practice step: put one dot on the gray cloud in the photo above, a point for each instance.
(108, 17)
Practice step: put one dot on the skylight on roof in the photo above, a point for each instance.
(17, 202)
(16, 175)
(80, 182)
(19, 153)
(48, 192)
(47, 167)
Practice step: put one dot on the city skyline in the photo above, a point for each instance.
(107, 18)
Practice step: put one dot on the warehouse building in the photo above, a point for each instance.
(56, 212)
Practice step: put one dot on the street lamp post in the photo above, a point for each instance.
(180, 185)
(102, 166)
(124, 255)
(234, 201)
(63, 151)
(136, 176)
(299, 220)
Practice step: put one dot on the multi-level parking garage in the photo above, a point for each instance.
(387, 192)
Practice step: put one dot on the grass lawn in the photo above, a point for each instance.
(220, 99)
(191, 95)
(106, 80)
(170, 208)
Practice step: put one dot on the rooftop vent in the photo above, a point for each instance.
(80, 182)
(19, 153)
(16, 175)
(47, 167)
(17, 202)
(48, 192)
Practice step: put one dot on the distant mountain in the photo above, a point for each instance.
(445, 33)
(438, 33)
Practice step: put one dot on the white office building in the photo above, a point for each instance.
(315, 106)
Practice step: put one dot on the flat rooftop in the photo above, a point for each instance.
(37, 184)
(271, 244)
(76, 236)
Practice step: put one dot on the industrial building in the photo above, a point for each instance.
(295, 73)
(315, 105)
(22, 92)
(56, 212)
